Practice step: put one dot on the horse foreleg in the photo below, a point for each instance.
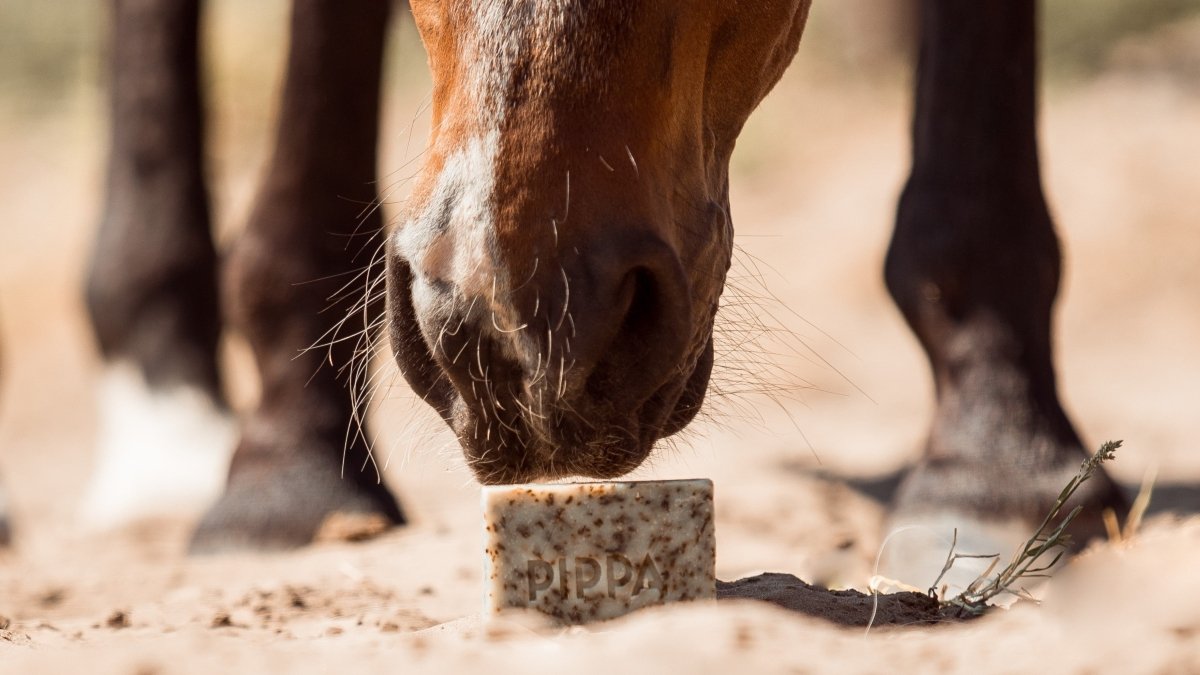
(974, 266)
(165, 431)
(307, 260)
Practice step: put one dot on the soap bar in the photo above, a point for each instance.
(585, 552)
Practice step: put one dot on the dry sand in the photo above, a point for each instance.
(815, 182)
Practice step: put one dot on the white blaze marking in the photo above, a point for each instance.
(158, 453)
(453, 239)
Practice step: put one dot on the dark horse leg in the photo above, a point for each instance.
(306, 238)
(974, 266)
(165, 431)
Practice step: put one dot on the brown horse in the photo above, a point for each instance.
(552, 286)
(554, 283)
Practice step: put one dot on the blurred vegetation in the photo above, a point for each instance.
(874, 38)
(50, 50)
(1078, 37)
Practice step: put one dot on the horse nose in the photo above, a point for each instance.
(630, 320)
(597, 332)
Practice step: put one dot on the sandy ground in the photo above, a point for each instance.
(814, 187)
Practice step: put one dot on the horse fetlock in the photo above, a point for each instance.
(160, 451)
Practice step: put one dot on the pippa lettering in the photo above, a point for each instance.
(586, 578)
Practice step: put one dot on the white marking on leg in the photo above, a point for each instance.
(158, 452)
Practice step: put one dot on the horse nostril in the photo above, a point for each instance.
(644, 309)
(646, 329)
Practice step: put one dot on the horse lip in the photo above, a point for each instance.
(534, 459)
(409, 349)
(691, 396)
(537, 458)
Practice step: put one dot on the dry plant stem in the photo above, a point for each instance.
(953, 557)
(1050, 538)
(1140, 503)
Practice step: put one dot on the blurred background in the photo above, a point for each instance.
(814, 183)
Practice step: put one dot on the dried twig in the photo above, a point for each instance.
(1050, 540)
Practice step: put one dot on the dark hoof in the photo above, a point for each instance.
(1012, 494)
(271, 507)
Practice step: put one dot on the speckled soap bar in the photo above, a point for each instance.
(593, 551)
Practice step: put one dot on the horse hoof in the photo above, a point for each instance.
(159, 452)
(984, 510)
(272, 508)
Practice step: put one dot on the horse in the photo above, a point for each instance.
(551, 288)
